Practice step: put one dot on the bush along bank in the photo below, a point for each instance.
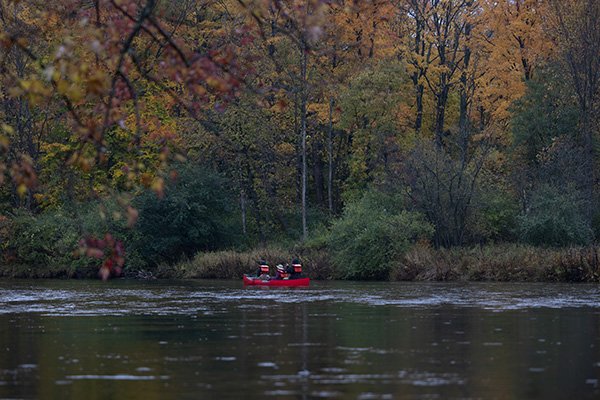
(194, 215)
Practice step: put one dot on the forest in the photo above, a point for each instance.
(374, 139)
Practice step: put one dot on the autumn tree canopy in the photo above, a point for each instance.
(301, 106)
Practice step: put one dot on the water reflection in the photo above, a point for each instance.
(332, 340)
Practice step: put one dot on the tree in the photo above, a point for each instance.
(510, 45)
(436, 51)
(94, 68)
(576, 26)
(547, 111)
(194, 215)
(444, 188)
(374, 117)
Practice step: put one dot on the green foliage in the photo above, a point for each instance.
(554, 218)
(47, 242)
(288, 234)
(496, 217)
(372, 113)
(547, 111)
(373, 232)
(48, 239)
(195, 214)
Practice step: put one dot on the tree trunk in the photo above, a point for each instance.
(318, 171)
(588, 142)
(419, 118)
(298, 176)
(419, 49)
(463, 119)
(243, 207)
(330, 157)
(303, 101)
(440, 113)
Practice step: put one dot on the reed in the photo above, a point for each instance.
(500, 262)
(233, 264)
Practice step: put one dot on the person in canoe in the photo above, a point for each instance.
(263, 271)
(281, 273)
(296, 269)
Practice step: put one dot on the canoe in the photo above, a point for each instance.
(278, 282)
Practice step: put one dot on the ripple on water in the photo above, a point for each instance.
(225, 358)
(424, 378)
(207, 298)
(281, 393)
(375, 396)
(267, 364)
(119, 377)
(325, 394)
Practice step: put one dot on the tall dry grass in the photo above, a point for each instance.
(498, 262)
(503, 262)
(232, 264)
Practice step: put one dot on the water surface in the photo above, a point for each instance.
(217, 339)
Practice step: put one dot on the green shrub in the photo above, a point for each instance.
(555, 218)
(42, 240)
(496, 217)
(45, 244)
(194, 215)
(372, 234)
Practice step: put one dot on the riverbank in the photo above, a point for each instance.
(504, 263)
(19, 271)
(499, 262)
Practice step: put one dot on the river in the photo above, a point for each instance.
(216, 339)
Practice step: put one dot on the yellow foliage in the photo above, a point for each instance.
(285, 149)
(321, 110)
(7, 129)
(22, 190)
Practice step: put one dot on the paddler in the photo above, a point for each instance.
(296, 269)
(264, 271)
(281, 273)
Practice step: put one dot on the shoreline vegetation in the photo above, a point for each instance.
(486, 263)
(500, 262)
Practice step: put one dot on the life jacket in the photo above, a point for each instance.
(297, 268)
(284, 275)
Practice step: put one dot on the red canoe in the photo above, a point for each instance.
(279, 282)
